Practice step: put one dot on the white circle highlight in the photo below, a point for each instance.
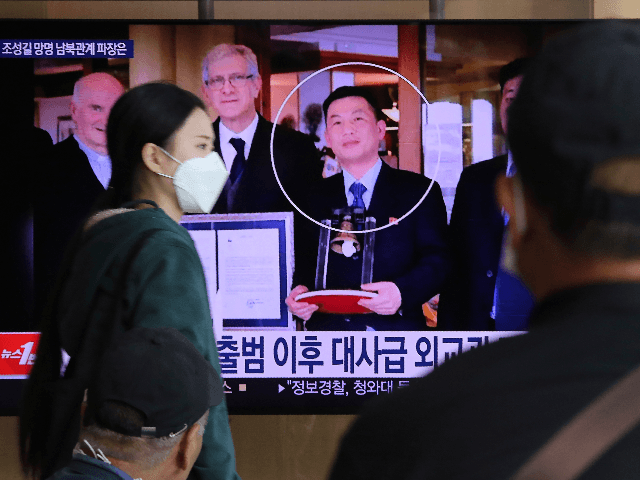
(273, 131)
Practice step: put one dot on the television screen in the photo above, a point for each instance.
(449, 94)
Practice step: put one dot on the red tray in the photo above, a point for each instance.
(337, 301)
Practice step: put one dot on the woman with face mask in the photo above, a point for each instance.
(131, 264)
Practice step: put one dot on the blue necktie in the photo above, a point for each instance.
(238, 162)
(357, 189)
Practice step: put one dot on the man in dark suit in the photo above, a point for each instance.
(231, 83)
(18, 297)
(410, 261)
(72, 178)
(476, 232)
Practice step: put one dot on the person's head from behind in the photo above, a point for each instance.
(354, 127)
(312, 119)
(510, 78)
(92, 100)
(231, 82)
(153, 130)
(289, 122)
(170, 457)
(573, 132)
(147, 409)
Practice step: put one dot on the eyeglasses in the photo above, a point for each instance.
(235, 81)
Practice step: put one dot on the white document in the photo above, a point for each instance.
(205, 242)
(442, 147)
(249, 273)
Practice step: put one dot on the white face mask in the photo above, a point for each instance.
(198, 182)
(509, 258)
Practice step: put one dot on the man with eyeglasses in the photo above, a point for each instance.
(231, 84)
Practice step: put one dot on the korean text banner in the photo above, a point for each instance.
(273, 354)
(343, 354)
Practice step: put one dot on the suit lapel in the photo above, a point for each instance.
(384, 198)
(216, 141)
(78, 165)
(221, 205)
(257, 169)
(336, 191)
(498, 218)
(261, 137)
(327, 196)
(254, 170)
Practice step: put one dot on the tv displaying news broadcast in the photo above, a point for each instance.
(431, 251)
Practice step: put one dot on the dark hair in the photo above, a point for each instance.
(289, 122)
(312, 119)
(512, 70)
(573, 127)
(343, 92)
(149, 113)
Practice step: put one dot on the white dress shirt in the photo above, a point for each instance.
(100, 164)
(228, 151)
(368, 180)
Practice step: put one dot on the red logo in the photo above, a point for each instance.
(18, 353)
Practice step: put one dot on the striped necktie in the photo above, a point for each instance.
(357, 189)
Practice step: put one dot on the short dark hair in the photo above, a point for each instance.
(512, 70)
(346, 91)
(149, 113)
(574, 137)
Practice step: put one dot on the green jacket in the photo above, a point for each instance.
(165, 288)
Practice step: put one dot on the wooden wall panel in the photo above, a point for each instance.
(409, 102)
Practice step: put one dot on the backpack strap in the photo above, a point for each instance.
(573, 449)
(134, 203)
(67, 393)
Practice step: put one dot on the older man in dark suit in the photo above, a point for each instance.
(71, 179)
(231, 83)
(479, 295)
(410, 261)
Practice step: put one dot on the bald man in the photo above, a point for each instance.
(72, 178)
(93, 97)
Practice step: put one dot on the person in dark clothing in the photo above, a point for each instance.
(476, 233)
(410, 257)
(70, 179)
(161, 145)
(575, 240)
(231, 82)
(146, 411)
(18, 299)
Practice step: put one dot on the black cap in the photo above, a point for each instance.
(578, 107)
(158, 372)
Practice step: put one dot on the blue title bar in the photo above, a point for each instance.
(66, 48)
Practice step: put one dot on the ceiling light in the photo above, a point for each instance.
(392, 113)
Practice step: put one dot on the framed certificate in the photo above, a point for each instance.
(248, 265)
